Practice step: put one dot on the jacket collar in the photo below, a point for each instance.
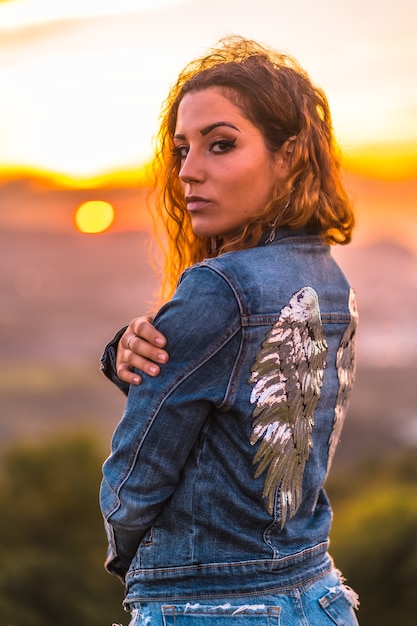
(289, 233)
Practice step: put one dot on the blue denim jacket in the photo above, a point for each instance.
(214, 485)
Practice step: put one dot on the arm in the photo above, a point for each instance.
(164, 415)
(138, 346)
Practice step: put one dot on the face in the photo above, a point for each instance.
(227, 173)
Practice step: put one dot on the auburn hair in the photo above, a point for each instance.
(278, 97)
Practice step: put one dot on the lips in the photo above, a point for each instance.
(196, 203)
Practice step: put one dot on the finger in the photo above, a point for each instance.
(138, 347)
(144, 365)
(127, 360)
(129, 339)
(142, 327)
(127, 376)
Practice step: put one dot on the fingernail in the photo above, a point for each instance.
(136, 381)
(159, 341)
(162, 357)
(153, 369)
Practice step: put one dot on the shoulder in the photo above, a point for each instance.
(263, 278)
(203, 308)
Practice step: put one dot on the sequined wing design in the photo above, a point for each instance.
(287, 376)
(346, 369)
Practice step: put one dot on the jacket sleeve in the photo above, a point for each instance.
(164, 415)
(108, 362)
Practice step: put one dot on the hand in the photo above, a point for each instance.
(140, 346)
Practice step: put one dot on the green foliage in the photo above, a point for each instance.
(374, 540)
(52, 540)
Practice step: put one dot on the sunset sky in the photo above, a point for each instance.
(81, 81)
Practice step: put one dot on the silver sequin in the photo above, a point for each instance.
(346, 369)
(288, 375)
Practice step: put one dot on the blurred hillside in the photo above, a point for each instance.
(63, 294)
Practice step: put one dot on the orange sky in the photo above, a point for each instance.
(82, 81)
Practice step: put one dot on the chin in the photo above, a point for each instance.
(204, 233)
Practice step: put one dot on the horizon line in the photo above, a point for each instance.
(381, 161)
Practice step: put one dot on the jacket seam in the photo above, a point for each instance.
(284, 561)
(158, 407)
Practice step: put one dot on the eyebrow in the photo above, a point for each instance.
(207, 129)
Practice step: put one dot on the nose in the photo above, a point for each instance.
(191, 169)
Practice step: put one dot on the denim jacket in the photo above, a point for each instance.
(214, 485)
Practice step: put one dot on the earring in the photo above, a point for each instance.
(214, 244)
(274, 223)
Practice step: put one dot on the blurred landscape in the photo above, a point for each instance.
(81, 86)
(64, 293)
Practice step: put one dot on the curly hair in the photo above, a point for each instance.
(278, 97)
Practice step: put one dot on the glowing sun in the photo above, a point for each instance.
(94, 216)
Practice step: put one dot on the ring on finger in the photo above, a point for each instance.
(129, 340)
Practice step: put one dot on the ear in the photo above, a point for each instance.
(287, 150)
(283, 158)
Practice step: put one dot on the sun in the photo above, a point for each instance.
(94, 216)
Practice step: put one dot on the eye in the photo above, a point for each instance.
(222, 146)
(180, 152)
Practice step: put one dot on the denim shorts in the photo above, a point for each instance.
(324, 602)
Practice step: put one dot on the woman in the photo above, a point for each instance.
(213, 493)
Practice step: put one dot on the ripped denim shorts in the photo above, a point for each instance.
(325, 602)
